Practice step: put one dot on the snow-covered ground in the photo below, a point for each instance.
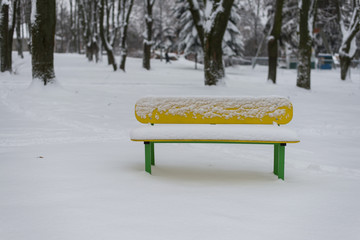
(69, 171)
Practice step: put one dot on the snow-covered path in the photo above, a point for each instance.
(69, 171)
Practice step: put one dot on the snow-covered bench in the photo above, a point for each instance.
(253, 120)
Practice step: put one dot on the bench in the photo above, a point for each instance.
(237, 120)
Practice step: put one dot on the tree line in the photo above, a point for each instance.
(206, 30)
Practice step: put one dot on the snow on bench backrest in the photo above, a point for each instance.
(214, 110)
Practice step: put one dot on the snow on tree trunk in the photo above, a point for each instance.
(43, 33)
(304, 54)
(89, 22)
(105, 42)
(27, 7)
(211, 24)
(273, 40)
(18, 32)
(348, 47)
(214, 30)
(148, 33)
(198, 21)
(124, 28)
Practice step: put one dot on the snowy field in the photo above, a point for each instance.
(69, 171)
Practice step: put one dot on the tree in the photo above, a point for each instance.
(63, 26)
(43, 34)
(89, 21)
(211, 32)
(125, 12)
(27, 10)
(4, 36)
(164, 36)
(18, 31)
(6, 33)
(329, 36)
(188, 39)
(307, 12)
(273, 40)
(233, 40)
(348, 46)
(105, 41)
(148, 42)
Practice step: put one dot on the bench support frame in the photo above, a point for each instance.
(279, 154)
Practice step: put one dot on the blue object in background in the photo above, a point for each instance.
(325, 61)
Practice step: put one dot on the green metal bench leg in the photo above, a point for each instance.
(276, 158)
(279, 160)
(281, 163)
(148, 157)
(152, 149)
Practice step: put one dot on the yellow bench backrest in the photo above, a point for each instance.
(214, 110)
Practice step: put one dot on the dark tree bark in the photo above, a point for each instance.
(348, 37)
(95, 45)
(77, 22)
(43, 33)
(304, 66)
(7, 34)
(4, 35)
(149, 32)
(345, 62)
(211, 37)
(88, 13)
(273, 41)
(125, 23)
(18, 31)
(213, 61)
(104, 39)
(196, 60)
(72, 42)
(27, 7)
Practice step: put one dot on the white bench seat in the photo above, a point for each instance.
(215, 133)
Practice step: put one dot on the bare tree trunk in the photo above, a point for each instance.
(28, 23)
(213, 61)
(211, 37)
(18, 31)
(62, 27)
(345, 62)
(273, 41)
(348, 37)
(7, 34)
(43, 33)
(104, 39)
(77, 22)
(4, 37)
(125, 24)
(88, 10)
(72, 42)
(95, 40)
(196, 60)
(161, 31)
(148, 39)
(304, 66)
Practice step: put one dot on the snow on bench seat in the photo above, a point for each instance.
(214, 110)
(216, 133)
